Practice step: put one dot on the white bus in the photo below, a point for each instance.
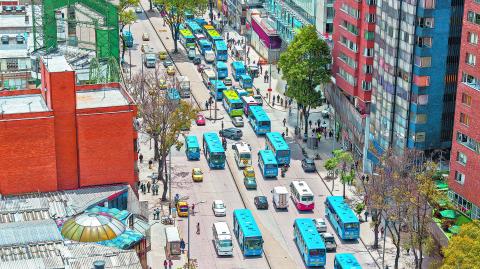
(301, 195)
(222, 238)
(208, 75)
(242, 154)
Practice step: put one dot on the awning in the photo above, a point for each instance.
(449, 214)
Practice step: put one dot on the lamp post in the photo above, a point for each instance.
(188, 234)
(210, 5)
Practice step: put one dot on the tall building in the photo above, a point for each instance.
(64, 136)
(352, 71)
(464, 182)
(417, 46)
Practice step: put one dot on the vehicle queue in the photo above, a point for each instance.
(276, 154)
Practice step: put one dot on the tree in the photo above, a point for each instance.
(330, 166)
(344, 160)
(305, 65)
(464, 248)
(126, 17)
(175, 14)
(162, 119)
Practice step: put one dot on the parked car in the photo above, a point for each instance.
(197, 60)
(320, 224)
(329, 241)
(200, 68)
(144, 47)
(326, 113)
(138, 10)
(197, 174)
(308, 165)
(170, 70)
(167, 63)
(200, 120)
(219, 209)
(227, 81)
(260, 202)
(145, 37)
(259, 99)
(250, 183)
(249, 171)
(237, 121)
(231, 133)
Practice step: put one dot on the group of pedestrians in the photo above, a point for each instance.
(167, 264)
(146, 187)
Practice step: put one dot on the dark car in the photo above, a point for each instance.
(167, 63)
(197, 60)
(329, 241)
(231, 133)
(308, 165)
(260, 202)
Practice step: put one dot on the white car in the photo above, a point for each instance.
(219, 209)
(320, 224)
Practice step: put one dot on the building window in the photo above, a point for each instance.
(425, 22)
(423, 61)
(421, 81)
(471, 59)
(348, 43)
(459, 178)
(472, 38)
(421, 119)
(349, 61)
(466, 99)
(371, 2)
(12, 64)
(367, 69)
(465, 119)
(473, 17)
(370, 17)
(424, 42)
(468, 142)
(366, 85)
(369, 35)
(422, 99)
(461, 158)
(420, 137)
(350, 27)
(350, 10)
(427, 4)
(471, 81)
(368, 52)
(5, 39)
(347, 76)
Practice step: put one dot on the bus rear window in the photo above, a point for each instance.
(283, 153)
(351, 225)
(270, 166)
(316, 252)
(264, 123)
(307, 198)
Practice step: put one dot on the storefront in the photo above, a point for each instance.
(264, 38)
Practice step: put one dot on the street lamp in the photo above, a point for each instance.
(188, 234)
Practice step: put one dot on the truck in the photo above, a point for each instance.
(150, 60)
(280, 197)
(183, 86)
(128, 37)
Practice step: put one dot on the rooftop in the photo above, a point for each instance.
(106, 97)
(29, 232)
(15, 21)
(22, 104)
(56, 63)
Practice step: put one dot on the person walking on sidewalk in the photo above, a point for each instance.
(170, 264)
(382, 230)
(198, 227)
(149, 185)
(193, 209)
(165, 264)
(150, 163)
(284, 122)
(286, 131)
(140, 158)
(182, 245)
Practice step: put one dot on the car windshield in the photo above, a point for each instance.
(262, 199)
(237, 106)
(270, 166)
(225, 243)
(219, 206)
(197, 172)
(183, 209)
(199, 118)
(217, 157)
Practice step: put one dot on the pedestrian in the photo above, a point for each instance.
(283, 135)
(170, 264)
(248, 50)
(165, 264)
(382, 230)
(198, 227)
(286, 131)
(260, 67)
(408, 251)
(193, 209)
(273, 102)
(265, 78)
(325, 133)
(330, 134)
(150, 163)
(143, 188)
(284, 122)
(228, 36)
(366, 215)
(206, 105)
(318, 122)
(140, 158)
(248, 60)
(278, 98)
(310, 123)
(278, 69)
(155, 214)
(182, 245)
(149, 185)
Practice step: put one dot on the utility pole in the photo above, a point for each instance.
(216, 78)
(129, 55)
(210, 4)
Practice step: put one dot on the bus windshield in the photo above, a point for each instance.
(225, 243)
(245, 156)
(282, 153)
(307, 198)
(253, 243)
(264, 123)
(193, 150)
(217, 157)
(183, 209)
(351, 225)
(237, 105)
(270, 166)
(316, 252)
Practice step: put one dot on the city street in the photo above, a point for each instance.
(280, 250)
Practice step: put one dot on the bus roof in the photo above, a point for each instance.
(347, 261)
(218, 83)
(277, 141)
(302, 187)
(173, 94)
(186, 33)
(247, 222)
(193, 25)
(204, 42)
(242, 147)
(208, 27)
(191, 141)
(259, 113)
(343, 210)
(220, 44)
(221, 64)
(245, 77)
(213, 142)
(222, 230)
(267, 156)
(230, 94)
(238, 65)
(309, 232)
(249, 100)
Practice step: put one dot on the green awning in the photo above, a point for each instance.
(455, 229)
(441, 185)
(449, 214)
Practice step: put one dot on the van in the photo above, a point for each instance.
(150, 60)
(222, 239)
(207, 76)
(209, 56)
(280, 197)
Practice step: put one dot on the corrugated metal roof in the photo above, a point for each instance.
(38, 263)
(28, 232)
(82, 256)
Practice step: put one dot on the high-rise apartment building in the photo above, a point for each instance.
(464, 182)
(416, 54)
(353, 68)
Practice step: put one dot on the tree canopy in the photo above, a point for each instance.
(464, 248)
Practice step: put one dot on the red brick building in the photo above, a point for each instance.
(64, 136)
(464, 181)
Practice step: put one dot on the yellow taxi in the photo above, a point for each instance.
(171, 70)
(182, 209)
(162, 55)
(249, 172)
(163, 84)
(197, 174)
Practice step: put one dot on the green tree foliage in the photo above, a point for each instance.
(345, 163)
(176, 9)
(305, 66)
(330, 166)
(463, 249)
(126, 17)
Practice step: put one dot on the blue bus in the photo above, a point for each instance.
(173, 95)
(238, 69)
(128, 37)
(309, 242)
(213, 150)
(192, 149)
(246, 231)
(259, 120)
(204, 45)
(222, 69)
(194, 27)
(275, 142)
(346, 261)
(221, 50)
(342, 218)
(267, 163)
(216, 88)
(246, 81)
